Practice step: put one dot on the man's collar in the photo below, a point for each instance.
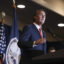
(37, 26)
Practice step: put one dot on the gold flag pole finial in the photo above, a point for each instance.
(3, 15)
(14, 5)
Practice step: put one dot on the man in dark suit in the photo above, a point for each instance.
(33, 39)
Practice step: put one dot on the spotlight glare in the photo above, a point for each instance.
(61, 25)
(20, 6)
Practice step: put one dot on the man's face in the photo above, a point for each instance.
(40, 17)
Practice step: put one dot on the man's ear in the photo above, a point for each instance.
(35, 17)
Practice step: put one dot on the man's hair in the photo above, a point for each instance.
(38, 10)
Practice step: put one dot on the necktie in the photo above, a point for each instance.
(40, 31)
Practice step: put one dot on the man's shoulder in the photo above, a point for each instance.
(28, 27)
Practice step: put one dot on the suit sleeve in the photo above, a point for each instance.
(25, 40)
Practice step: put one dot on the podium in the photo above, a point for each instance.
(50, 58)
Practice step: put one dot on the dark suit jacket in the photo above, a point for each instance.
(30, 34)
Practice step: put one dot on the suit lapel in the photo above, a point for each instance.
(36, 30)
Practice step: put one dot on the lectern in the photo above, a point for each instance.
(50, 58)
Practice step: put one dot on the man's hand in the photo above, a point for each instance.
(41, 40)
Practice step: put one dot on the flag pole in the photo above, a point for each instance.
(14, 5)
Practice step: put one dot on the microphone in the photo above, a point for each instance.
(50, 31)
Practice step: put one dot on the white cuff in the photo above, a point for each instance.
(34, 44)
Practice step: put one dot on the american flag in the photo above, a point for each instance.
(2, 39)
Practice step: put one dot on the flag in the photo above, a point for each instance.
(2, 41)
(13, 50)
